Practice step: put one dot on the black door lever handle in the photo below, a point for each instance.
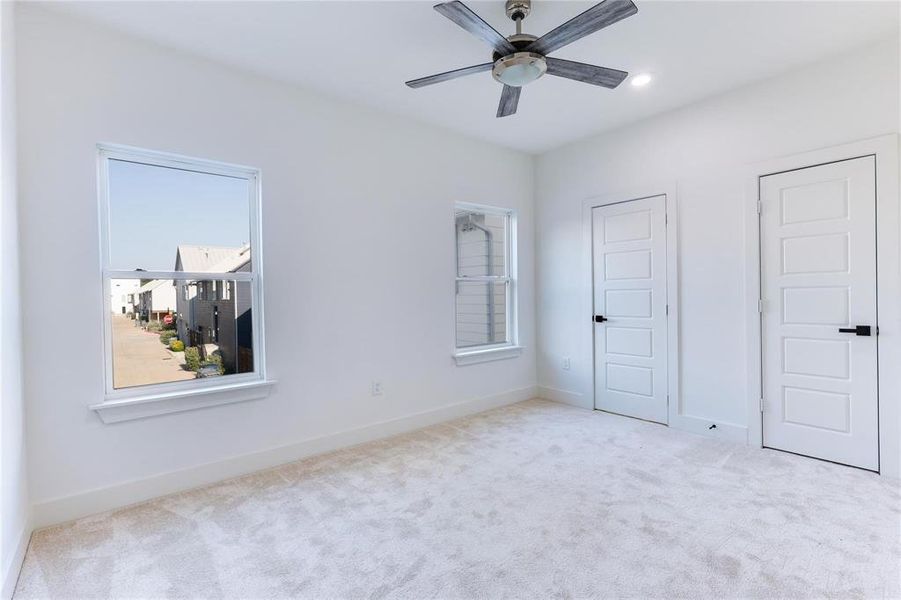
(599, 318)
(856, 330)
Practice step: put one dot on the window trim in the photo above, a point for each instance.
(510, 349)
(169, 397)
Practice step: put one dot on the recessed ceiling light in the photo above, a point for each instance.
(641, 80)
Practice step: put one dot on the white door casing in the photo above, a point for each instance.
(818, 274)
(629, 291)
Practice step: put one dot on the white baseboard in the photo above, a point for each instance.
(11, 571)
(699, 425)
(722, 431)
(67, 508)
(564, 396)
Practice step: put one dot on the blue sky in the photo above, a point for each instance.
(154, 209)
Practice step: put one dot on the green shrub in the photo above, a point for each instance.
(166, 336)
(177, 346)
(154, 326)
(214, 359)
(192, 358)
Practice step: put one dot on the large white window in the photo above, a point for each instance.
(182, 237)
(485, 283)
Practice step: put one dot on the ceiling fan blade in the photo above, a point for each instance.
(602, 76)
(509, 101)
(424, 81)
(594, 19)
(460, 14)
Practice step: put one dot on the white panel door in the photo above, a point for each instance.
(629, 263)
(818, 278)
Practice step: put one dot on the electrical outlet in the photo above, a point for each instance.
(376, 388)
(566, 363)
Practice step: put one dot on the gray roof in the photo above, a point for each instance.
(153, 284)
(233, 262)
(211, 259)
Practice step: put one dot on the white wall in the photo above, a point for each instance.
(359, 252)
(702, 149)
(120, 290)
(163, 298)
(14, 507)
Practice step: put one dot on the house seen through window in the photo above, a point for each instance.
(179, 270)
(485, 283)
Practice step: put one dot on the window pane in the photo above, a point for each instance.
(156, 211)
(481, 313)
(481, 244)
(180, 330)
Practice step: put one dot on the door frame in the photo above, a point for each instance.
(888, 289)
(668, 191)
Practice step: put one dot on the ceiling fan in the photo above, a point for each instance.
(522, 58)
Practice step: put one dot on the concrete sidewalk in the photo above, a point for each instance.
(140, 359)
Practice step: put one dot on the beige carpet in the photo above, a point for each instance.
(536, 500)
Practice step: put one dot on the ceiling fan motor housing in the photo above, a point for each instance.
(521, 67)
(520, 41)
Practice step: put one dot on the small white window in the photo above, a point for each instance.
(485, 283)
(171, 225)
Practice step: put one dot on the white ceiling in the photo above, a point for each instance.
(365, 50)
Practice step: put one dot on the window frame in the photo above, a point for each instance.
(207, 388)
(510, 348)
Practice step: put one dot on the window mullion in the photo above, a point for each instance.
(484, 278)
(180, 275)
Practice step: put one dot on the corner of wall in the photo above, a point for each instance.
(14, 567)
(564, 396)
(15, 510)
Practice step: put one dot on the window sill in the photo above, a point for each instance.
(472, 357)
(115, 411)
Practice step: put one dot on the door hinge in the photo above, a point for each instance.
(761, 405)
(759, 207)
(667, 309)
(760, 305)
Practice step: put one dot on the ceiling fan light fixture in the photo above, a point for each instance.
(519, 68)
